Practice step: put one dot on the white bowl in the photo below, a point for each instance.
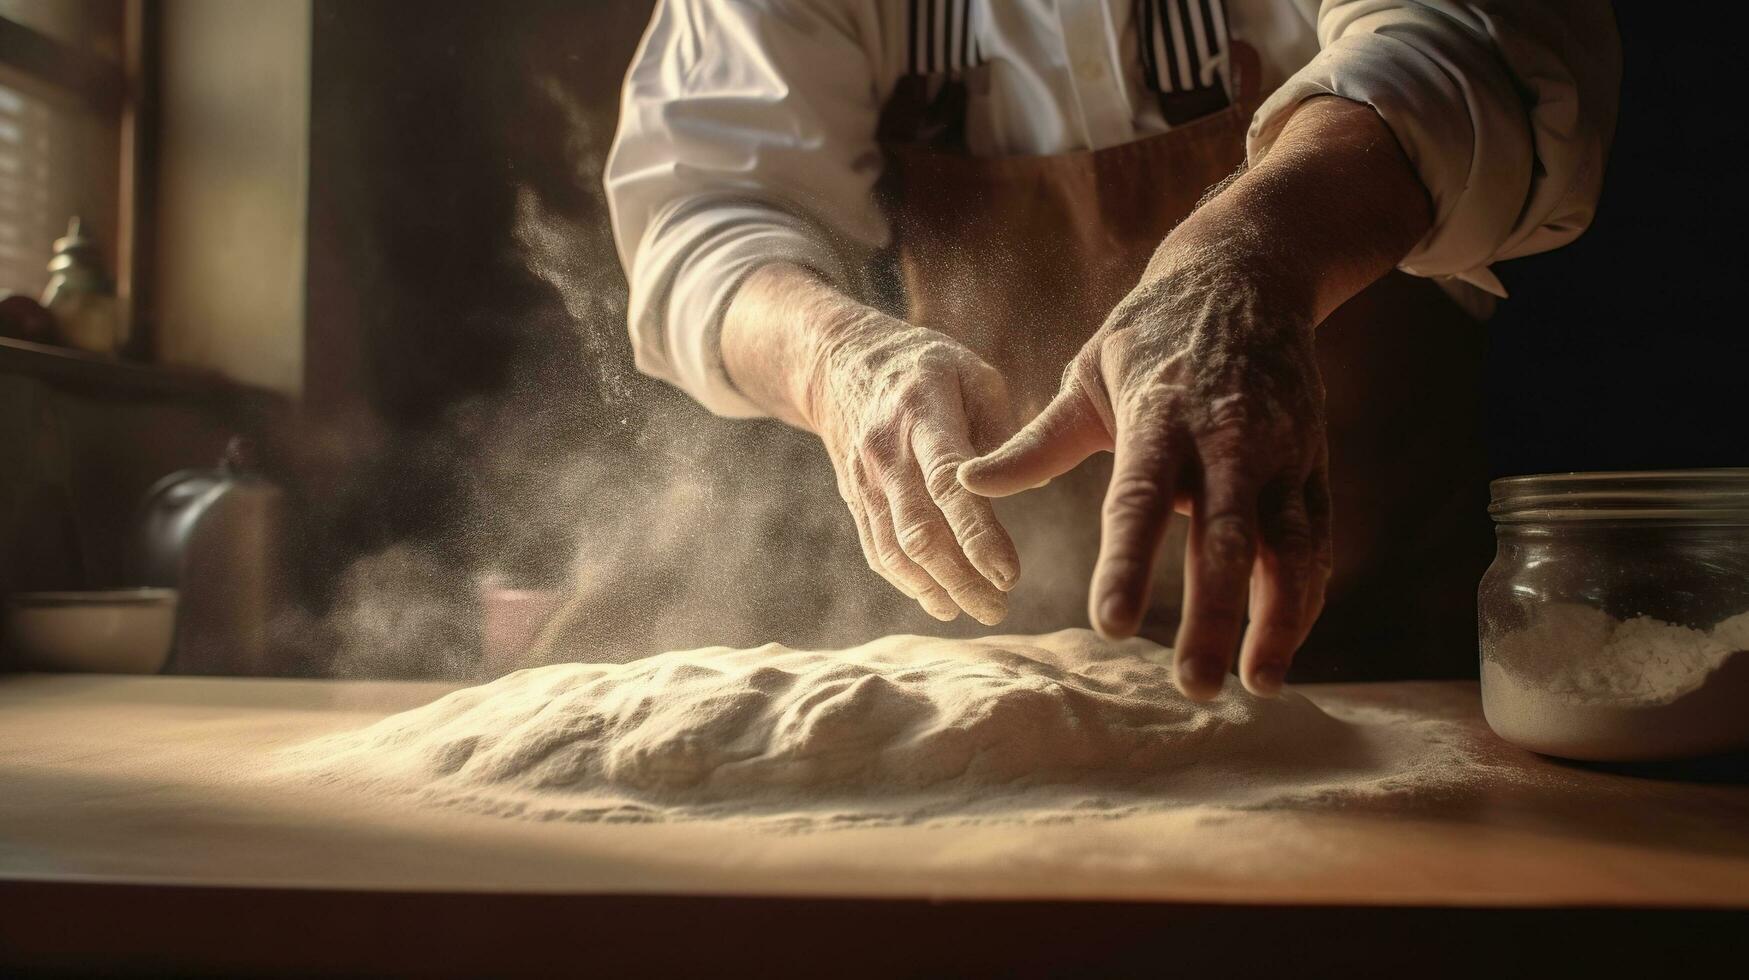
(115, 631)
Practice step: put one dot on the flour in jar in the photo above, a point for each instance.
(1584, 655)
(903, 729)
(1578, 683)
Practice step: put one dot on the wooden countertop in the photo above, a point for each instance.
(139, 794)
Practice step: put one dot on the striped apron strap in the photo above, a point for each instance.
(1184, 49)
(942, 41)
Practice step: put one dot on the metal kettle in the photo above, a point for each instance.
(216, 536)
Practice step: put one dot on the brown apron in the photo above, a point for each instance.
(1022, 258)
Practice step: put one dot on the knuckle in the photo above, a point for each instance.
(978, 533)
(890, 555)
(941, 478)
(922, 538)
(870, 454)
(1228, 540)
(961, 583)
(1082, 372)
(1134, 495)
(1109, 354)
(936, 359)
(880, 439)
(1151, 402)
(1229, 413)
(1294, 551)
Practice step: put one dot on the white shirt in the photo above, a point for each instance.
(747, 129)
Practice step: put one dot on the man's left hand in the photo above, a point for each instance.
(1204, 382)
(1210, 397)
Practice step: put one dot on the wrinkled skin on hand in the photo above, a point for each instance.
(1204, 383)
(899, 409)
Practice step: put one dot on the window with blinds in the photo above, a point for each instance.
(62, 86)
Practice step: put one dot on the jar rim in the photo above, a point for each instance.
(1711, 495)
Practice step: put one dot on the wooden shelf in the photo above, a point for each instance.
(107, 377)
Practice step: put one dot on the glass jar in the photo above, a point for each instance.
(1614, 621)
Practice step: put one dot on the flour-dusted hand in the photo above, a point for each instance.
(1209, 394)
(1204, 383)
(899, 409)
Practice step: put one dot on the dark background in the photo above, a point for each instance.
(426, 124)
(432, 343)
(1626, 350)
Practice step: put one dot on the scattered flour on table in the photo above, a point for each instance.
(1582, 655)
(903, 729)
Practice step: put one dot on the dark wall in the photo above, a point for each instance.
(427, 121)
(426, 326)
(1626, 350)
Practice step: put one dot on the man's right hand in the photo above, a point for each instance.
(899, 408)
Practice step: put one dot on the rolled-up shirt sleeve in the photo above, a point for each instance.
(746, 136)
(1506, 110)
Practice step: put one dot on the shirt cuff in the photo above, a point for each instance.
(1459, 122)
(677, 322)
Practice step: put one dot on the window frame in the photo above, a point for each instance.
(127, 94)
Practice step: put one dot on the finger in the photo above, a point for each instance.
(1069, 430)
(853, 503)
(917, 582)
(857, 514)
(1138, 510)
(1222, 547)
(926, 537)
(1280, 582)
(941, 446)
(1319, 513)
(849, 489)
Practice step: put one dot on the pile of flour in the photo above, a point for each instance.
(1579, 683)
(903, 729)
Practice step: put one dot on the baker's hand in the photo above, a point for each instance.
(1206, 387)
(1204, 382)
(899, 408)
